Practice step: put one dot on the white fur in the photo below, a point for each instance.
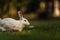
(14, 24)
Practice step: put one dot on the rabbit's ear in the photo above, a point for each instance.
(20, 14)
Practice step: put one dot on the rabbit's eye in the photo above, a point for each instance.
(25, 20)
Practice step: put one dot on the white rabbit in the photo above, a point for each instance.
(10, 23)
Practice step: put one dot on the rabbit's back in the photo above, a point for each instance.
(11, 22)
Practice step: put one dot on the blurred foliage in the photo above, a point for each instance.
(9, 8)
(42, 6)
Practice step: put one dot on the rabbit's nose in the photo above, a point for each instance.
(28, 23)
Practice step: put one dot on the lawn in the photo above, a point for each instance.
(43, 30)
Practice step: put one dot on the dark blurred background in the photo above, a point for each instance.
(32, 9)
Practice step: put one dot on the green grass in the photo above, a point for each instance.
(43, 30)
